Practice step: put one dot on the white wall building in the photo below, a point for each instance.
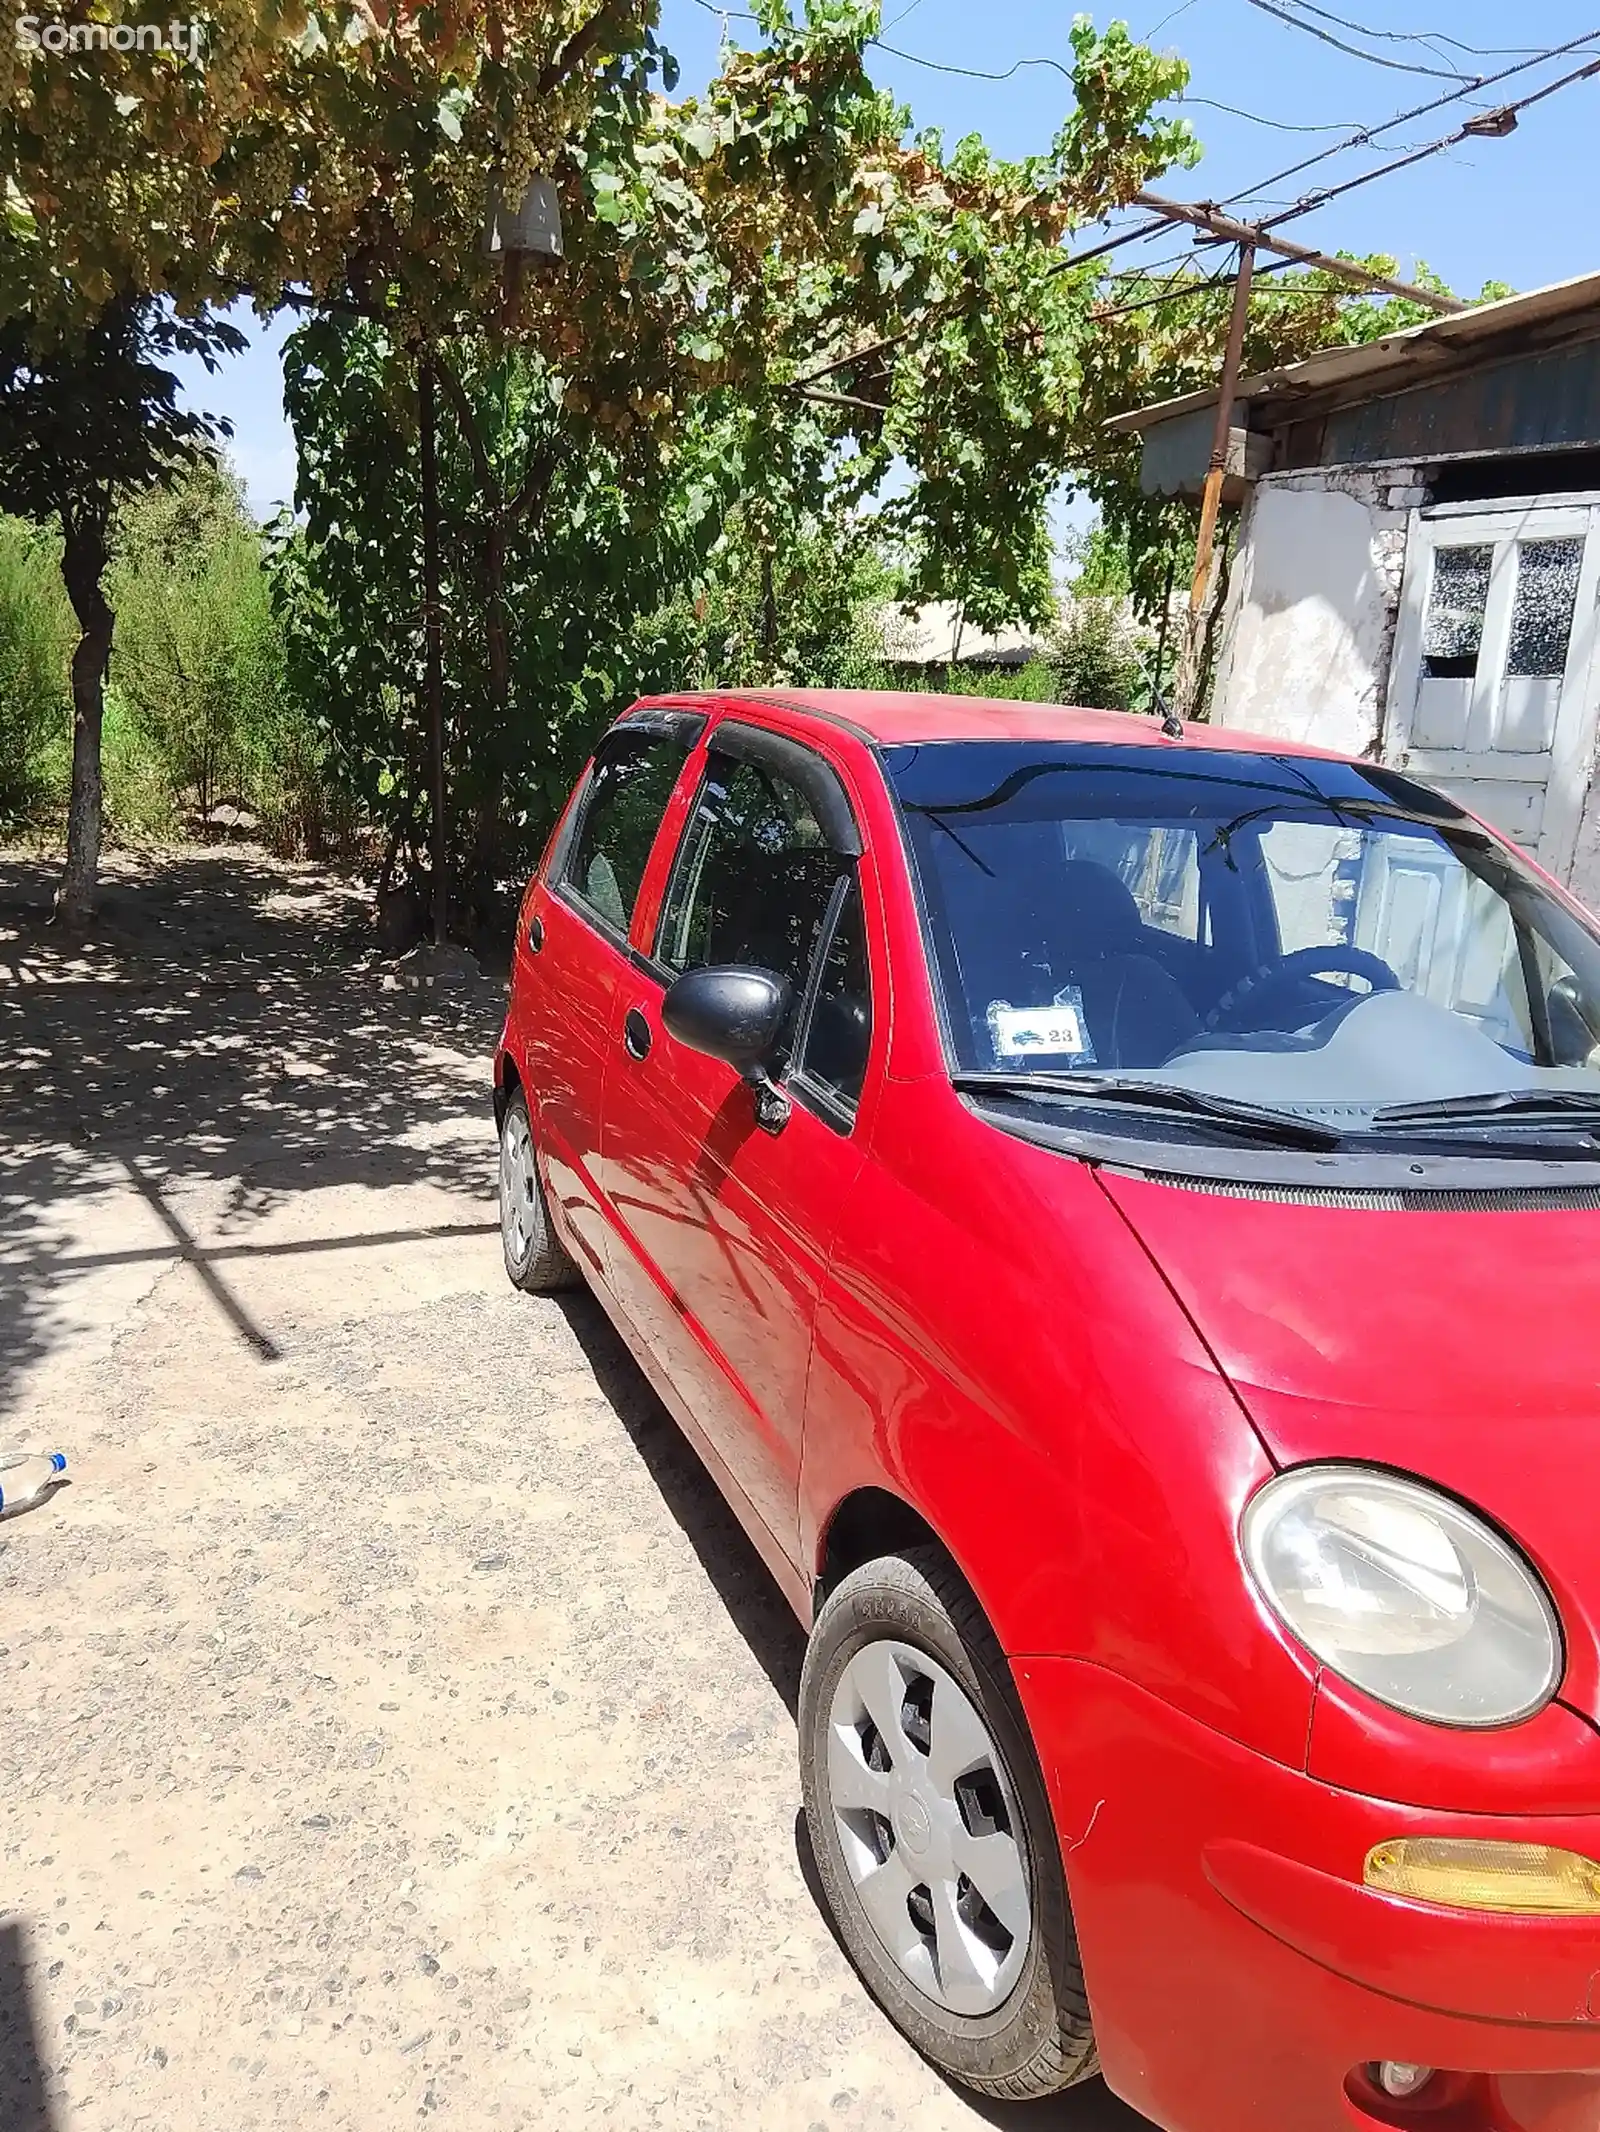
(1417, 560)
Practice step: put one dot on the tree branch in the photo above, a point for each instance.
(456, 393)
(577, 48)
(838, 399)
(536, 485)
(889, 340)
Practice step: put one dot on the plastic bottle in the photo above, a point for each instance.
(25, 1475)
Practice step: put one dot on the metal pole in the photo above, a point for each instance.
(1208, 219)
(1221, 434)
(432, 650)
(1187, 689)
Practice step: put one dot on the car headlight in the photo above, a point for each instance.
(1405, 1594)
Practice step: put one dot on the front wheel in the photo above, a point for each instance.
(536, 1258)
(932, 1832)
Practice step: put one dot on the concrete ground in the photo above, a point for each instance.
(396, 1726)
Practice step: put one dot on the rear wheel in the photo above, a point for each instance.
(932, 1832)
(536, 1259)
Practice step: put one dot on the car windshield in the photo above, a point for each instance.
(1322, 939)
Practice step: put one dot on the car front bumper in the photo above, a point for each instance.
(1239, 1973)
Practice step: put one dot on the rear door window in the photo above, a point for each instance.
(633, 778)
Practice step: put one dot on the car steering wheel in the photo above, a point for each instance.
(1331, 960)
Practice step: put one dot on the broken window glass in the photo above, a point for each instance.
(1547, 598)
(1456, 601)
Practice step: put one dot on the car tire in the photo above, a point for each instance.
(995, 2001)
(536, 1259)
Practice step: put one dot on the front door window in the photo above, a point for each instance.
(753, 877)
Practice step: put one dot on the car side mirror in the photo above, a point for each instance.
(1572, 1038)
(736, 1015)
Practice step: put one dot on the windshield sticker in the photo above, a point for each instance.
(1054, 1032)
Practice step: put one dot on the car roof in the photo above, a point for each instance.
(893, 717)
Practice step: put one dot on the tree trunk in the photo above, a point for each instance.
(769, 613)
(497, 642)
(483, 862)
(433, 657)
(83, 564)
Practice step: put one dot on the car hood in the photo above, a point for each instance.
(1461, 1346)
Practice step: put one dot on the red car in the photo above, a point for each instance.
(1117, 1214)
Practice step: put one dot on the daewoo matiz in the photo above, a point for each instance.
(1117, 1216)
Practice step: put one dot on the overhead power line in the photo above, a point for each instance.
(1490, 124)
(940, 66)
(1365, 137)
(1374, 59)
(1204, 216)
(1204, 285)
(1424, 37)
(1041, 59)
(1218, 228)
(1368, 136)
(1257, 118)
(1360, 137)
(1149, 303)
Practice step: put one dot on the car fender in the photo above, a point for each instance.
(995, 1349)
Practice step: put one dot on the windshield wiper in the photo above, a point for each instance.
(1553, 1105)
(1255, 1118)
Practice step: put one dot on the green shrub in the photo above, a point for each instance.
(199, 665)
(187, 579)
(36, 639)
(139, 801)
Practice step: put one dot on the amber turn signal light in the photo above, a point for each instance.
(1526, 1879)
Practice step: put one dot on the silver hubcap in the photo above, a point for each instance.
(929, 1827)
(519, 1186)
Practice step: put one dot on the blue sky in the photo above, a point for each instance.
(1507, 210)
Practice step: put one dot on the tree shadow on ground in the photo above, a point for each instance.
(226, 1023)
(24, 2106)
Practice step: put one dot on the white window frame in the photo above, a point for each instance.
(1500, 525)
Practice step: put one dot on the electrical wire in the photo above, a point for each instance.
(1211, 282)
(1358, 137)
(1368, 135)
(1256, 118)
(1427, 37)
(1171, 17)
(1172, 260)
(1308, 203)
(1167, 296)
(1362, 138)
(940, 66)
(1312, 201)
(1309, 29)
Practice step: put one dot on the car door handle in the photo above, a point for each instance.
(536, 934)
(636, 1037)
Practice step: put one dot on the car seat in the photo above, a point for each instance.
(1136, 1011)
(1029, 922)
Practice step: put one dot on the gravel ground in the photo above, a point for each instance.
(396, 1725)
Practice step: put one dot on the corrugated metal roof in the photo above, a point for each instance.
(1402, 359)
